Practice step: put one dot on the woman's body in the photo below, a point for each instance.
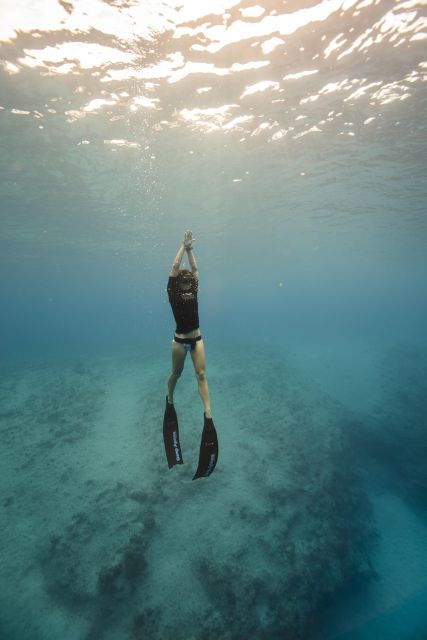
(182, 291)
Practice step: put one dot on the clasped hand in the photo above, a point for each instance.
(188, 239)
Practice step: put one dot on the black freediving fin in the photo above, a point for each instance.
(171, 436)
(208, 450)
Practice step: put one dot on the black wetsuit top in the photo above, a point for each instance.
(184, 306)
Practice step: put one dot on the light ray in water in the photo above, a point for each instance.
(147, 53)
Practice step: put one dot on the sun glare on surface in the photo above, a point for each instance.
(195, 51)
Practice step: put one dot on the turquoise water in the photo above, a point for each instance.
(291, 138)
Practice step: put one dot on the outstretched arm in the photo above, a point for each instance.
(192, 261)
(188, 241)
(186, 246)
(177, 261)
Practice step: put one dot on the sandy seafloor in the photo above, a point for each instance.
(312, 526)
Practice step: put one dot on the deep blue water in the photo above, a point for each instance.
(291, 138)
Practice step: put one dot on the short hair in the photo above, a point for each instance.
(185, 273)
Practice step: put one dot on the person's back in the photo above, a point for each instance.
(184, 303)
(182, 288)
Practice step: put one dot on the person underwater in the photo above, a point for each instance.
(182, 289)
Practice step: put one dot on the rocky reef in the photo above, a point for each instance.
(395, 435)
(250, 552)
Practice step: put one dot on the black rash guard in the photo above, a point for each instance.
(184, 306)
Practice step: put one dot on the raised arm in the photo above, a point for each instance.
(186, 246)
(177, 261)
(192, 261)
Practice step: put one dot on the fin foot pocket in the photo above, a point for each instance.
(171, 436)
(208, 456)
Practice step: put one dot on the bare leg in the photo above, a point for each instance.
(172, 380)
(204, 394)
(178, 359)
(199, 361)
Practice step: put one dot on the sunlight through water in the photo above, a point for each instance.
(107, 82)
(125, 54)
